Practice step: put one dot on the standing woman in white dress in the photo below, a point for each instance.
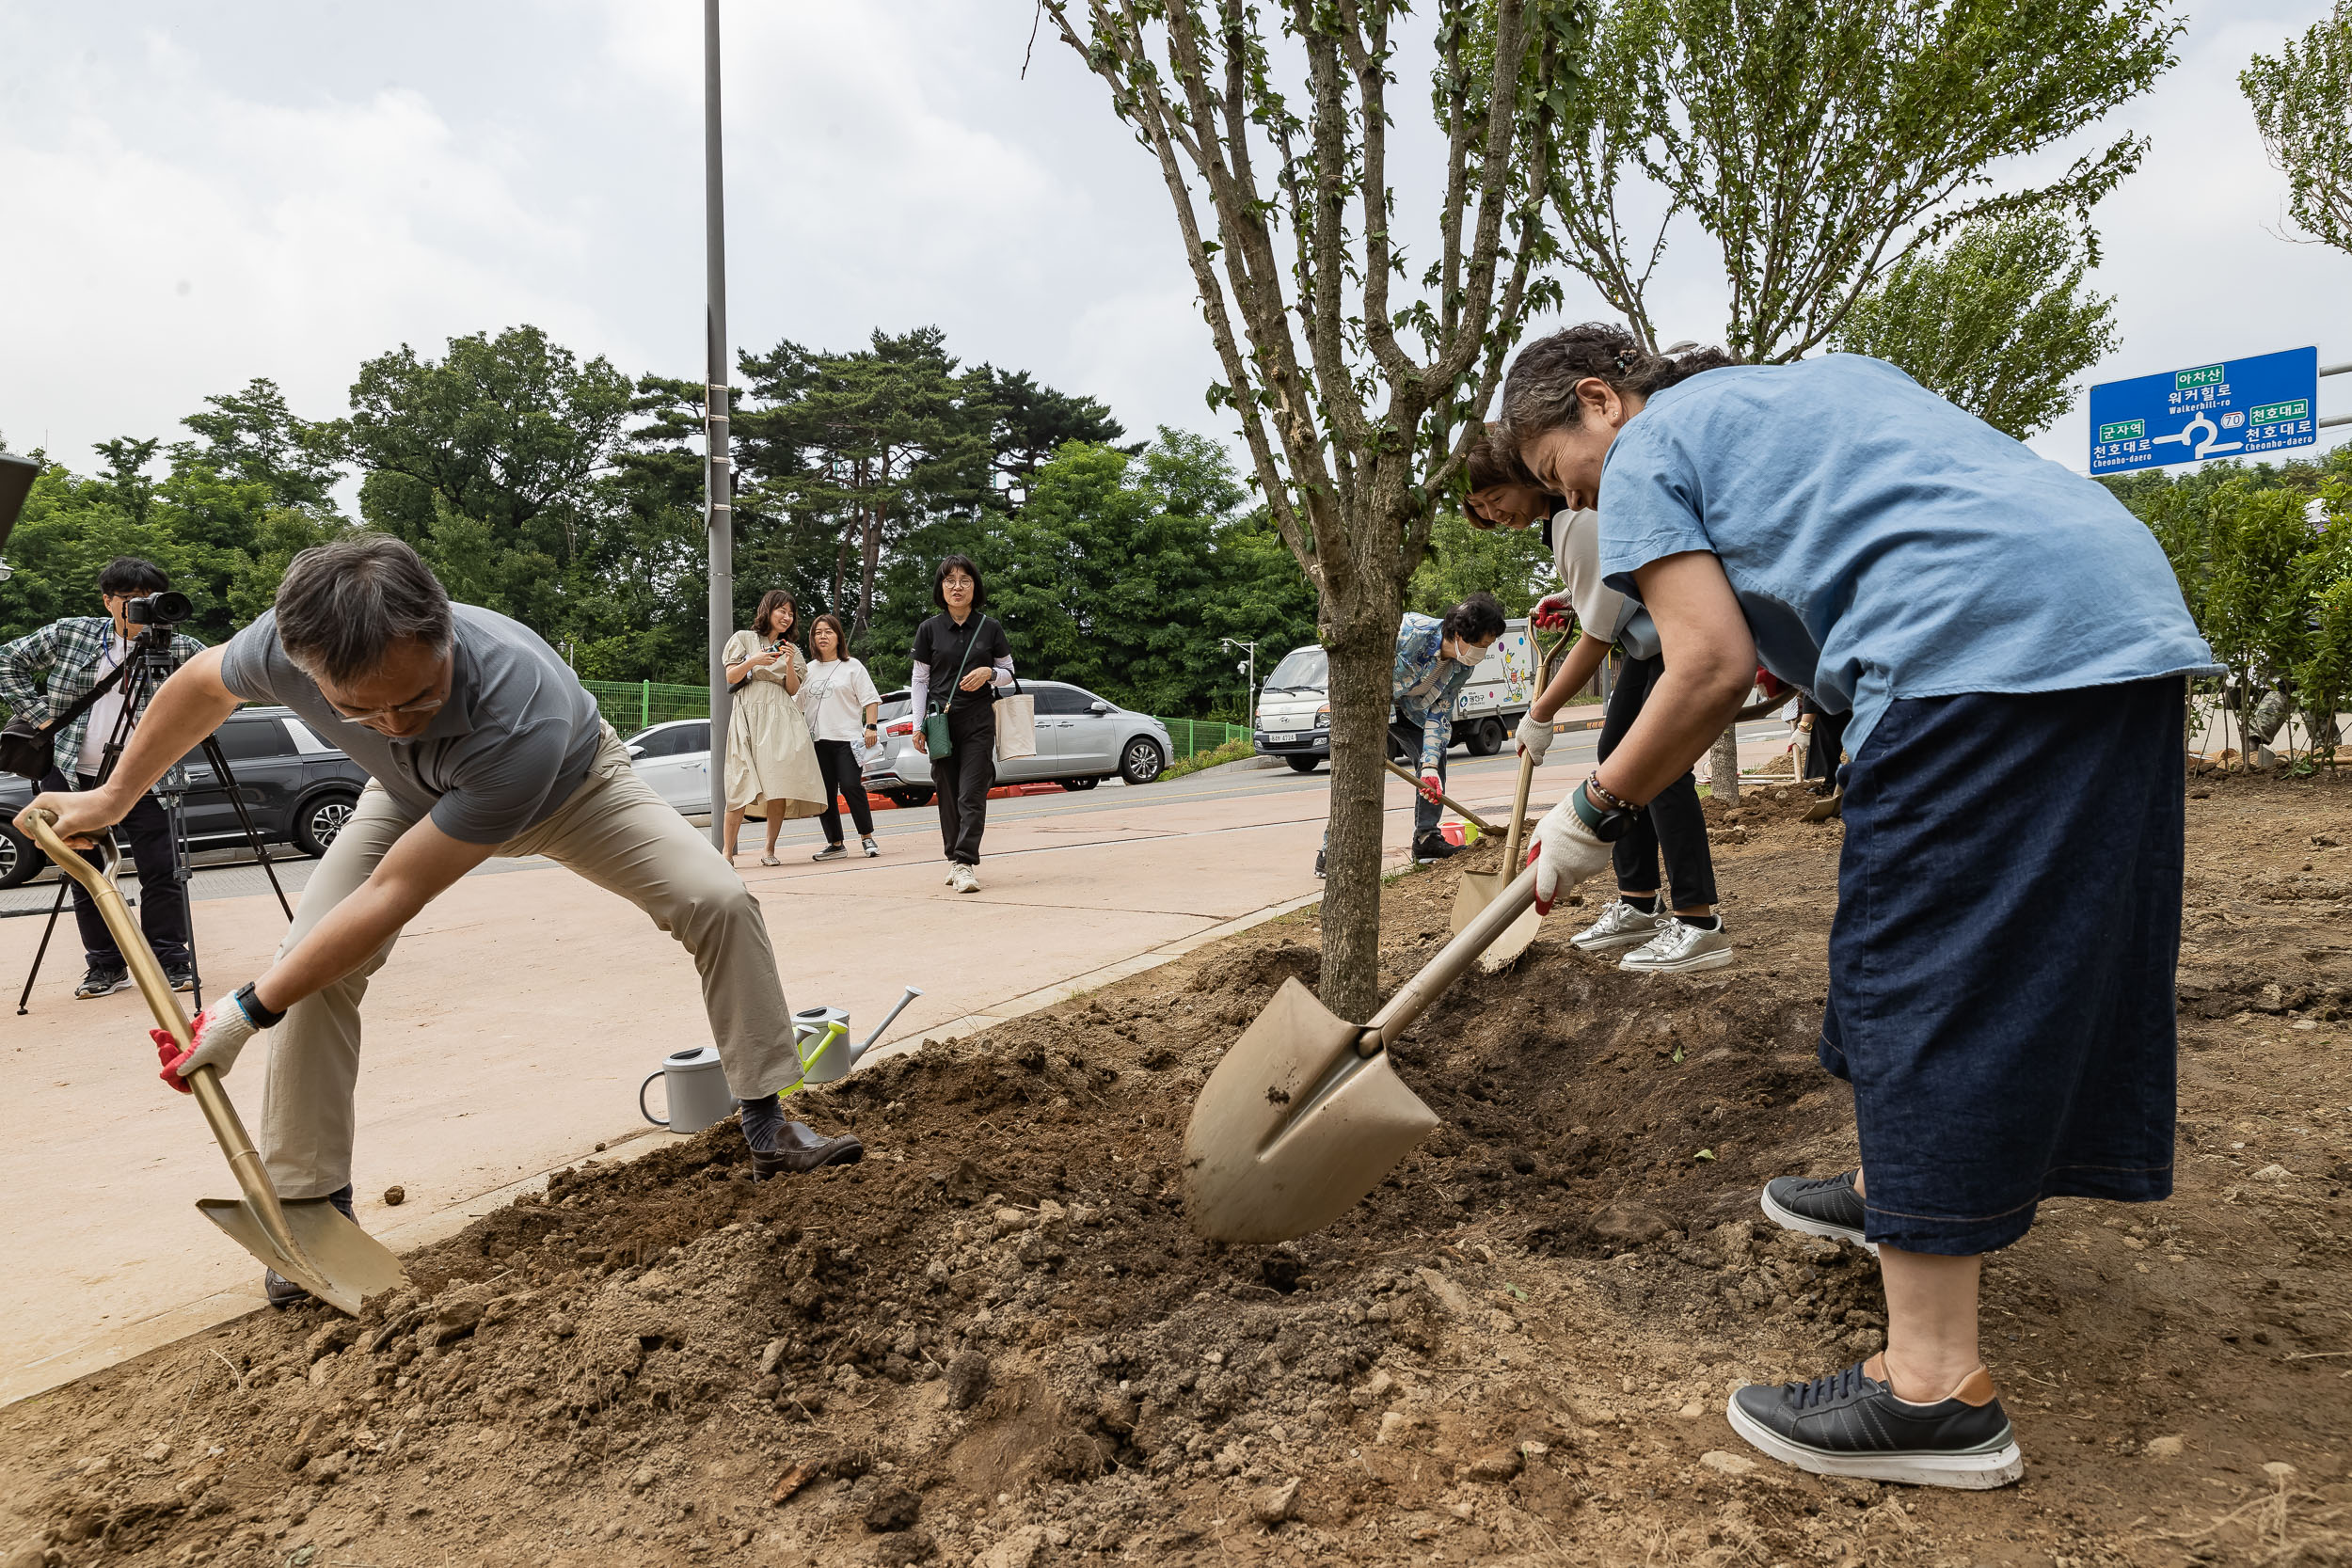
(771, 760)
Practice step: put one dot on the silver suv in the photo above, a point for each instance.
(1081, 740)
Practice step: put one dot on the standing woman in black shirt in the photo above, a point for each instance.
(961, 659)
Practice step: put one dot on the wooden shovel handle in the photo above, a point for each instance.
(1443, 798)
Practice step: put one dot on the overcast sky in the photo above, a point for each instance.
(199, 192)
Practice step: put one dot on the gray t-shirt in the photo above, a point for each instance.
(516, 737)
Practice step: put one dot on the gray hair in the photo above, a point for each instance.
(1539, 395)
(345, 603)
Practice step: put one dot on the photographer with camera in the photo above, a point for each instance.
(78, 653)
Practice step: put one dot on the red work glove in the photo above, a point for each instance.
(219, 1031)
(1551, 612)
(1768, 683)
(1431, 787)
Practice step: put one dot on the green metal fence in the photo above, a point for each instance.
(631, 706)
(1201, 734)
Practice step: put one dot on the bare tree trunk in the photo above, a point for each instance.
(1363, 664)
(1724, 764)
(869, 563)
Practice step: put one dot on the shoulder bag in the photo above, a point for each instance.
(1016, 724)
(936, 742)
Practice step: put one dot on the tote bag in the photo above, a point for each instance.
(1016, 724)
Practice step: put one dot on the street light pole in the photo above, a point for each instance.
(719, 474)
(1249, 707)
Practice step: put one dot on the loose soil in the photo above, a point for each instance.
(996, 1342)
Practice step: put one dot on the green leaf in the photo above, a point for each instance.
(1703, 1154)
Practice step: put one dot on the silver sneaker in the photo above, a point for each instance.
(1620, 926)
(1679, 949)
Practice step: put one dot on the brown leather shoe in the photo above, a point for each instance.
(799, 1149)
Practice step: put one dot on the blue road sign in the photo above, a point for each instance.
(2232, 409)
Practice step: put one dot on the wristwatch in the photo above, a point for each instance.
(1607, 823)
(251, 1002)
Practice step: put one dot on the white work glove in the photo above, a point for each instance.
(1564, 854)
(1535, 736)
(220, 1032)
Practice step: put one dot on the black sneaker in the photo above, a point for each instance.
(1850, 1424)
(181, 976)
(872, 849)
(1818, 1207)
(830, 852)
(1319, 863)
(103, 982)
(1431, 848)
(279, 1290)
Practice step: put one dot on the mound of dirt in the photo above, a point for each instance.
(996, 1342)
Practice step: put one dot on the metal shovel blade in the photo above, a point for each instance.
(302, 1239)
(333, 1258)
(1295, 1126)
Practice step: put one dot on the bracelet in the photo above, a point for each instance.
(1602, 794)
(251, 1002)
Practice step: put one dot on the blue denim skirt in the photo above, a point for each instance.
(2001, 966)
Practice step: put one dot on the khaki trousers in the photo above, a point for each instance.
(616, 832)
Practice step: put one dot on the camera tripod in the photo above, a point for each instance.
(145, 665)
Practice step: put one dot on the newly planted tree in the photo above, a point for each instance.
(2303, 107)
(1822, 142)
(1997, 320)
(1356, 376)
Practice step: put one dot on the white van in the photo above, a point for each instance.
(1293, 716)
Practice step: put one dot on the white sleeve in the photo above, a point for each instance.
(865, 688)
(1600, 610)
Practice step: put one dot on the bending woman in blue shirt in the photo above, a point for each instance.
(2012, 648)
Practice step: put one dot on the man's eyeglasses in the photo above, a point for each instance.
(422, 705)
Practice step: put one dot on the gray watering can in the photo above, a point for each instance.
(698, 1091)
(832, 1057)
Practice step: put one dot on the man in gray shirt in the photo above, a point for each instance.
(480, 743)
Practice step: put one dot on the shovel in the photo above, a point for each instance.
(302, 1239)
(1478, 889)
(1443, 798)
(1305, 1113)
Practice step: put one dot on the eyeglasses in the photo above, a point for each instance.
(422, 705)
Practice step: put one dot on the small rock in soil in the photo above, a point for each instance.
(395, 1195)
(1273, 1505)
(893, 1507)
(967, 1378)
(1729, 1463)
(909, 1546)
(1501, 1464)
(2166, 1447)
(1629, 1224)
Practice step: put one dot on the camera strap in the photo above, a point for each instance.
(29, 750)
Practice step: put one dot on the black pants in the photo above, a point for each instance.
(837, 760)
(1828, 740)
(963, 779)
(163, 894)
(1673, 823)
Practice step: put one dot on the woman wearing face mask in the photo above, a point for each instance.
(961, 659)
(2013, 647)
(1690, 935)
(1434, 656)
(771, 760)
(842, 706)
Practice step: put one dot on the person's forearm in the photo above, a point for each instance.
(737, 671)
(873, 714)
(918, 687)
(184, 710)
(1004, 671)
(1575, 672)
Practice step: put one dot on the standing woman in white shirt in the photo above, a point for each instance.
(842, 707)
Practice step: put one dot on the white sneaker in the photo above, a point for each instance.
(1620, 926)
(1679, 948)
(953, 866)
(965, 880)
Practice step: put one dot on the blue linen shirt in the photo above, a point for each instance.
(1884, 545)
(1427, 686)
